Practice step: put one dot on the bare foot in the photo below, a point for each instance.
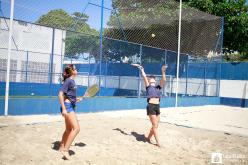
(158, 145)
(148, 140)
(61, 148)
(65, 154)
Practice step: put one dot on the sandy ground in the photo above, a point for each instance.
(188, 136)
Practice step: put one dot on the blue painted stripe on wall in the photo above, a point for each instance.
(2, 107)
(234, 102)
(28, 106)
(42, 89)
(19, 88)
(198, 101)
(234, 71)
(229, 71)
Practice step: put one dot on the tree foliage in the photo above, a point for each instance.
(137, 19)
(80, 38)
(235, 13)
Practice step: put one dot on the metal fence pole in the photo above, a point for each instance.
(6, 104)
(26, 76)
(222, 36)
(171, 85)
(106, 71)
(165, 54)
(89, 72)
(101, 38)
(139, 82)
(61, 58)
(178, 52)
(187, 75)
(51, 64)
(204, 88)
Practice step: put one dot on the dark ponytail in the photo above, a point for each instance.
(68, 71)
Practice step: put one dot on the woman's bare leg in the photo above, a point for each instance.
(65, 135)
(154, 120)
(150, 135)
(72, 119)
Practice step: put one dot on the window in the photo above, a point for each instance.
(37, 72)
(3, 70)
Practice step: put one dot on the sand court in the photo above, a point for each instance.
(189, 135)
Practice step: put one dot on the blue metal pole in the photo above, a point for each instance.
(26, 77)
(187, 75)
(106, 72)
(165, 54)
(204, 88)
(139, 82)
(89, 72)
(101, 34)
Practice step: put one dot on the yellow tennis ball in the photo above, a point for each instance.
(153, 35)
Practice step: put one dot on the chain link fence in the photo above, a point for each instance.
(49, 35)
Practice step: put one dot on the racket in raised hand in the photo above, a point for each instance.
(137, 65)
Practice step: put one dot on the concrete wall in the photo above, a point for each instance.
(234, 89)
(29, 106)
(32, 43)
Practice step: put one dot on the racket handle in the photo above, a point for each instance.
(80, 99)
(140, 67)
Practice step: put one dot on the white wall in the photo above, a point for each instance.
(195, 86)
(228, 88)
(234, 89)
(35, 39)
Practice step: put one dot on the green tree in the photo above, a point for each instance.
(80, 38)
(137, 20)
(56, 19)
(235, 13)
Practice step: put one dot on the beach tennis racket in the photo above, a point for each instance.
(91, 91)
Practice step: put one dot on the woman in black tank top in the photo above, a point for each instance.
(153, 99)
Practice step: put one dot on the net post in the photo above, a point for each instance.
(171, 82)
(61, 56)
(101, 38)
(222, 37)
(187, 75)
(178, 52)
(106, 71)
(6, 104)
(51, 64)
(205, 76)
(89, 71)
(165, 54)
(139, 82)
(26, 74)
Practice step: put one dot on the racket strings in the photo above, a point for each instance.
(93, 90)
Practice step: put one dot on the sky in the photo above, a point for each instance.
(31, 10)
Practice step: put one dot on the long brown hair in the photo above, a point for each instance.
(68, 71)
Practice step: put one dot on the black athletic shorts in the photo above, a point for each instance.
(153, 109)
